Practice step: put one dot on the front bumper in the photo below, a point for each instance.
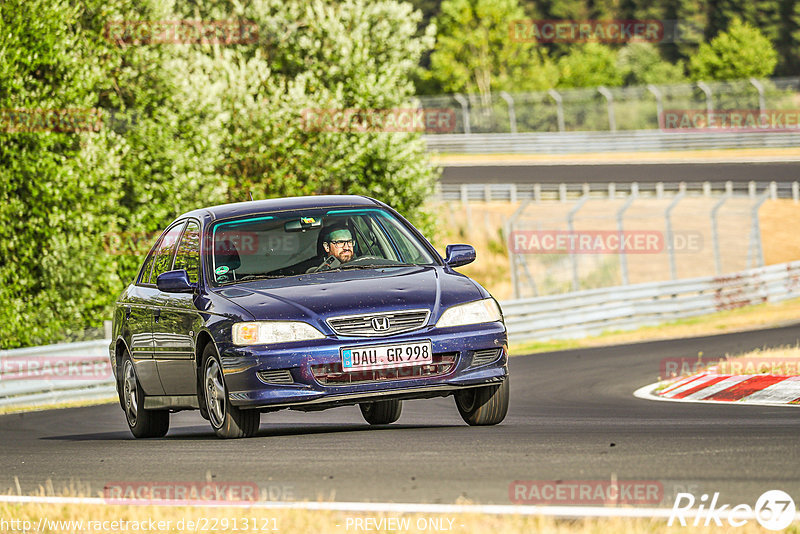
(241, 366)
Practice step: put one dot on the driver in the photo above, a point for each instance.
(338, 245)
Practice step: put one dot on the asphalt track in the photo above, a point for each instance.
(572, 417)
(631, 172)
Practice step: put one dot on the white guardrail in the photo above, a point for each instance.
(81, 371)
(619, 141)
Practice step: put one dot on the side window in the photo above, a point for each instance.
(148, 265)
(188, 255)
(166, 251)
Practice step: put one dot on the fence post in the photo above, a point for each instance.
(715, 231)
(755, 247)
(612, 121)
(760, 88)
(673, 269)
(703, 86)
(623, 259)
(659, 105)
(571, 227)
(555, 95)
(512, 258)
(562, 192)
(512, 116)
(464, 111)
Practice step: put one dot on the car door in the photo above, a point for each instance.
(138, 312)
(177, 321)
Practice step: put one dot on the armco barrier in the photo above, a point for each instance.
(583, 313)
(569, 315)
(53, 374)
(621, 141)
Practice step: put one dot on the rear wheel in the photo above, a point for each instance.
(227, 420)
(143, 423)
(483, 406)
(381, 412)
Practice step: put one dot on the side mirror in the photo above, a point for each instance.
(175, 282)
(458, 255)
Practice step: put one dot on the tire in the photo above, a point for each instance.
(143, 423)
(381, 412)
(483, 406)
(227, 420)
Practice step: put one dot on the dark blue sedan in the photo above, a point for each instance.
(303, 303)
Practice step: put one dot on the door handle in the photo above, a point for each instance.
(157, 314)
(127, 312)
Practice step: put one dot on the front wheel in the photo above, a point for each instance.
(227, 420)
(143, 423)
(381, 412)
(484, 405)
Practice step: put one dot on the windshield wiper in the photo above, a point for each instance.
(377, 265)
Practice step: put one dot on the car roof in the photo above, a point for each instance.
(252, 207)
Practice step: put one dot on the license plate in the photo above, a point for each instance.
(386, 356)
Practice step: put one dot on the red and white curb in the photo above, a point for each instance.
(763, 390)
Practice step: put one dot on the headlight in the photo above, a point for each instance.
(266, 332)
(480, 311)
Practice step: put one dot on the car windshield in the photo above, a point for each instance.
(309, 241)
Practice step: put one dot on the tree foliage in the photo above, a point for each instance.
(475, 52)
(184, 126)
(739, 53)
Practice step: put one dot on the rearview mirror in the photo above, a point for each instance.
(458, 255)
(175, 282)
(302, 224)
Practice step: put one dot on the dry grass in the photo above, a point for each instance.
(721, 155)
(172, 518)
(481, 224)
(41, 407)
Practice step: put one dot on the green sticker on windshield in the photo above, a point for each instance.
(222, 269)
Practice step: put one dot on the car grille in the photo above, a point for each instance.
(276, 376)
(482, 357)
(385, 323)
(331, 374)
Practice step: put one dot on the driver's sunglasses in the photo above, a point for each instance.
(342, 242)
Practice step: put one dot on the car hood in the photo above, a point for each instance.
(319, 296)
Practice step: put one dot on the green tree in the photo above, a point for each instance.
(590, 65)
(739, 53)
(641, 64)
(478, 51)
(192, 125)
